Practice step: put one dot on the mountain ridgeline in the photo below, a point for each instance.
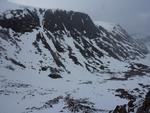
(58, 38)
(99, 67)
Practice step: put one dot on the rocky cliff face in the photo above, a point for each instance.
(93, 65)
(20, 20)
(64, 34)
(122, 45)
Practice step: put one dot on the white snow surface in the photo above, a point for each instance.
(42, 88)
(80, 83)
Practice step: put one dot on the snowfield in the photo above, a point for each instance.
(43, 70)
(24, 89)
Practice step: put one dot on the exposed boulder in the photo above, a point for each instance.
(55, 76)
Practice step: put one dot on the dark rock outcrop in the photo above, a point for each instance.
(145, 108)
(20, 20)
(76, 23)
(137, 69)
(54, 76)
(120, 109)
(65, 34)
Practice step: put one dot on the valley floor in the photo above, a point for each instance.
(25, 91)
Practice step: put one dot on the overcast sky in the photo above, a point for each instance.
(134, 15)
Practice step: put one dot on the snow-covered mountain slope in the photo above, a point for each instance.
(60, 61)
(106, 25)
(60, 37)
(145, 40)
(128, 47)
